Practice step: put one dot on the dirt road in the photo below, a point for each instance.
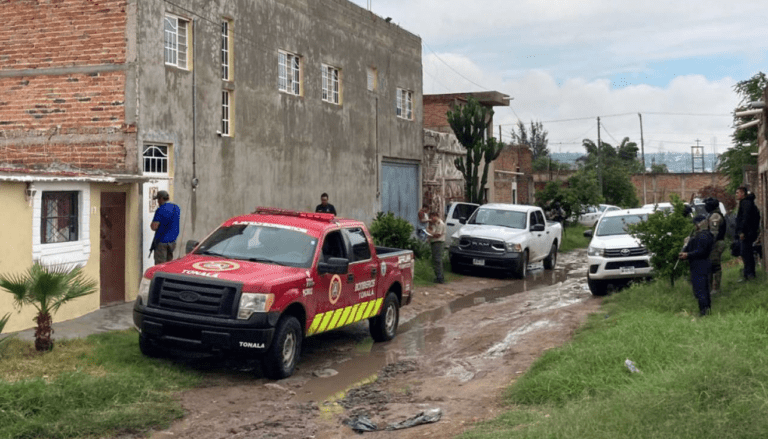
(459, 345)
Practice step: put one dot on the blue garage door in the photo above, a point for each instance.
(400, 190)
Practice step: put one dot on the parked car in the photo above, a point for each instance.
(667, 207)
(506, 237)
(615, 256)
(260, 283)
(456, 215)
(592, 214)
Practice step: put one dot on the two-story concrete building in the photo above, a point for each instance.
(227, 104)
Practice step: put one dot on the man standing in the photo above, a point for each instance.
(324, 206)
(166, 226)
(717, 229)
(747, 228)
(697, 253)
(436, 233)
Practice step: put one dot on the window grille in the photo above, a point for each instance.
(225, 50)
(225, 107)
(176, 31)
(289, 73)
(404, 104)
(331, 83)
(156, 159)
(59, 217)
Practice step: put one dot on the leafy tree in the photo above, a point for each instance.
(659, 169)
(47, 289)
(536, 139)
(579, 192)
(469, 123)
(733, 161)
(616, 168)
(546, 163)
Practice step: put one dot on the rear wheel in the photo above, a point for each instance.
(384, 326)
(597, 287)
(283, 354)
(522, 268)
(551, 260)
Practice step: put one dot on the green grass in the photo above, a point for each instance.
(94, 387)
(573, 238)
(700, 377)
(424, 274)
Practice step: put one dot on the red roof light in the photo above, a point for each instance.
(327, 217)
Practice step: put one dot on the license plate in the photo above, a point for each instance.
(478, 261)
(627, 270)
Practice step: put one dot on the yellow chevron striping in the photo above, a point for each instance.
(344, 316)
(326, 320)
(351, 318)
(377, 307)
(360, 311)
(315, 323)
(335, 319)
(369, 309)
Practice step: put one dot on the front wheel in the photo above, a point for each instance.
(522, 268)
(597, 287)
(551, 260)
(384, 326)
(283, 354)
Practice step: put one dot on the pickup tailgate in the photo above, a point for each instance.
(396, 267)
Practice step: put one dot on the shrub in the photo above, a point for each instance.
(389, 230)
(4, 340)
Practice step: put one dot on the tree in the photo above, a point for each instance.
(616, 168)
(47, 289)
(537, 140)
(546, 163)
(659, 169)
(733, 161)
(470, 123)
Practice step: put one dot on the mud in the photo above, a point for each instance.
(458, 347)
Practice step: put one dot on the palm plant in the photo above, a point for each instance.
(4, 340)
(47, 288)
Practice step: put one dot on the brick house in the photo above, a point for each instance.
(226, 104)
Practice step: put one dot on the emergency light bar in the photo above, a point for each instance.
(328, 217)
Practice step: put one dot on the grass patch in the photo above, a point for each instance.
(424, 274)
(93, 387)
(573, 238)
(701, 377)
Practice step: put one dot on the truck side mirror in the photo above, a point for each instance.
(537, 228)
(333, 266)
(462, 220)
(588, 233)
(191, 244)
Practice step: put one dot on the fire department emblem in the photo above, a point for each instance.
(334, 290)
(216, 266)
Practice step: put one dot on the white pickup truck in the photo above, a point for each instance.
(506, 237)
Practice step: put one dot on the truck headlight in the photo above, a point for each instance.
(512, 247)
(254, 302)
(144, 290)
(595, 251)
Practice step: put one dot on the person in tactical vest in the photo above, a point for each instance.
(697, 253)
(717, 228)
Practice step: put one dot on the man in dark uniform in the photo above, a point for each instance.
(324, 206)
(697, 253)
(747, 228)
(717, 229)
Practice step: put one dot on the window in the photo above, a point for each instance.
(289, 73)
(372, 79)
(330, 84)
(361, 250)
(404, 104)
(176, 41)
(59, 217)
(156, 159)
(226, 105)
(226, 50)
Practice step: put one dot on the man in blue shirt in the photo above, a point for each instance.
(166, 226)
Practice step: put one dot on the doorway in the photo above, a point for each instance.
(112, 244)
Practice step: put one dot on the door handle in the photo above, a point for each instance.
(350, 278)
(451, 224)
(373, 272)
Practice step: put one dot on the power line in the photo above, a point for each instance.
(449, 66)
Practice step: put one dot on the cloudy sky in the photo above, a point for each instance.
(675, 62)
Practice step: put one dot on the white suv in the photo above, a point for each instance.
(615, 256)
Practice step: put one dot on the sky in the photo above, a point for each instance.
(674, 62)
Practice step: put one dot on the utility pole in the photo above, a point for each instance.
(599, 171)
(642, 153)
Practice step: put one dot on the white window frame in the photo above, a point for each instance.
(177, 31)
(289, 73)
(227, 43)
(404, 104)
(331, 84)
(71, 253)
(372, 78)
(226, 113)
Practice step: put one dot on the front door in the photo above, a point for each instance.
(112, 244)
(155, 164)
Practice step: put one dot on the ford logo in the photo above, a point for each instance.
(189, 296)
(625, 252)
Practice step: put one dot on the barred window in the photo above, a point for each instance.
(289, 73)
(331, 84)
(59, 217)
(404, 104)
(226, 105)
(156, 159)
(176, 41)
(226, 50)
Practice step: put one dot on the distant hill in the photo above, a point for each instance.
(676, 162)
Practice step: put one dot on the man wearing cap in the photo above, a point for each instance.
(697, 253)
(166, 226)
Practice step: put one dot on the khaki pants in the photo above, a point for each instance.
(164, 252)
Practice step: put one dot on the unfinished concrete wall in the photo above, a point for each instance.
(284, 150)
(442, 182)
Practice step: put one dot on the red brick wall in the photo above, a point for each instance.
(57, 33)
(685, 185)
(100, 155)
(435, 111)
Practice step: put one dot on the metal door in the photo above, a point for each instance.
(112, 243)
(155, 164)
(400, 190)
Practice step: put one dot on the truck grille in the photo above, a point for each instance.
(208, 297)
(482, 245)
(625, 252)
(618, 265)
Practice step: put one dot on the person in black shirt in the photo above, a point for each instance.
(717, 229)
(697, 252)
(324, 206)
(747, 229)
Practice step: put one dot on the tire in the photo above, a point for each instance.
(597, 287)
(551, 260)
(384, 326)
(280, 360)
(522, 268)
(148, 347)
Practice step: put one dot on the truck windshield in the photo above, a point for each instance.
(261, 243)
(617, 225)
(498, 217)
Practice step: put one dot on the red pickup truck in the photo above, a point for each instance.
(260, 283)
